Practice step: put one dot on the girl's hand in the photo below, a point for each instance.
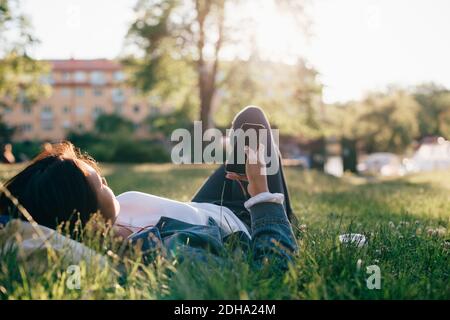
(255, 172)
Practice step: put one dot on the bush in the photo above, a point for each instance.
(117, 148)
(112, 142)
(83, 141)
(140, 151)
(26, 150)
(101, 152)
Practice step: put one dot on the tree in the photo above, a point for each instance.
(291, 95)
(434, 114)
(20, 75)
(166, 123)
(161, 38)
(6, 133)
(113, 124)
(195, 31)
(113, 140)
(309, 93)
(383, 122)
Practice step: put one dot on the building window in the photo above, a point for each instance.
(22, 98)
(118, 95)
(66, 109)
(98, 92)
(80, 76)
(65, 92)
(66, 76)
(26, 109)
(119, 76)
(47, 112)
(79, 110)
(79, 92)
(46, 124)
(80, 126)
(67, 124)
(118, 92)
(27, 127)
(98, 78)
(136, 108)
(98, 110)
(47, 79)
(118, 108)
(47, 118)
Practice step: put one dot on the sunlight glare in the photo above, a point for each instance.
(277, 36)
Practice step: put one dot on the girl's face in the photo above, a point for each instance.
(108, 205)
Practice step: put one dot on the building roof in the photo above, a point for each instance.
(85, 65)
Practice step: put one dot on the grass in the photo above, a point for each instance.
(406, 222)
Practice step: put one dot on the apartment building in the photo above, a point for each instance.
(81, 91)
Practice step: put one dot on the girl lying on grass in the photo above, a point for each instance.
(63, 186)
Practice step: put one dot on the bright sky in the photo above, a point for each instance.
(358, 45)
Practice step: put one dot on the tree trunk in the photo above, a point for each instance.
(207, 73)
(205, 114)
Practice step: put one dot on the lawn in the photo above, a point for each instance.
(406, 222)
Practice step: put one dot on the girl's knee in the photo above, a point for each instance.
(251, 114)
(253, 111)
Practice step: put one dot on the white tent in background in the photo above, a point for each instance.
(430, 157)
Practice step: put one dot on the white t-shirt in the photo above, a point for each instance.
(139, 210)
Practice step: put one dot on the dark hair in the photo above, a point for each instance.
(53, 188)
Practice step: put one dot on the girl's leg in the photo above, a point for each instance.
(233, 197)
(211, 190)
(277, 181)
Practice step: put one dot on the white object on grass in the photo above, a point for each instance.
(353, 238)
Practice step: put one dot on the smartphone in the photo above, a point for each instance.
(235, 167)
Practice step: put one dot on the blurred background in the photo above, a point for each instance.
(352, 85)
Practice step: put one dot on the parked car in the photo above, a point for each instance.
(382, 163)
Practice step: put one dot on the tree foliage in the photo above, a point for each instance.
(107, 124)
(166, 123)
(290, 94)
(113, 140)
(6, 133)
(20, 75)
(434, 113)
(381, 121)
(194, 32)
